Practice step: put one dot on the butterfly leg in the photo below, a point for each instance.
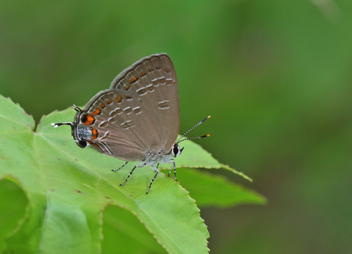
(170, 171)
(140, 166)
(151, 182)
(174, 165)
(119, 167)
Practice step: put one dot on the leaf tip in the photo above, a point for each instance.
(237, 172)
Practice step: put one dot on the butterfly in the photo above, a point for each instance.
(137, 118)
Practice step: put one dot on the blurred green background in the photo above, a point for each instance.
(275, 76)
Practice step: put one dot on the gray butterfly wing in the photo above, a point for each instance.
(152, 82)
(118, 128)
(140, 114)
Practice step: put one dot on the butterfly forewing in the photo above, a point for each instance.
(152, 82)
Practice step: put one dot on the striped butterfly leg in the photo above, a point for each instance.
(140, 166)
(114, 170)
(173, 165)
(151, 182)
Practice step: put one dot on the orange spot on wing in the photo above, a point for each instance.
(88, 119)
(142, 74)
(118, 99)
(108, 102)
(134, 79)
(94, 133)
(96, 112)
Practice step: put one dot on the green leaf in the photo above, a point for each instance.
(134, 237)
(13, 202)
(213, 190)
(68, 189)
